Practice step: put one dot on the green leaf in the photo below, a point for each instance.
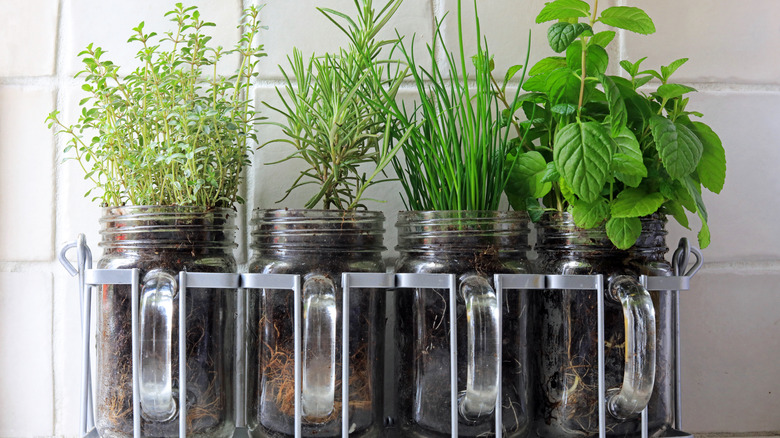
(632, 68)
(563, 87)
(566, 191)
(629, 168)
(623, 231)
(628, 18)
(704, 233)
(511, 73)
(712, 166)
(525, 179)
(675, 190)
(562, 10)
(636, 203)
(551, 173)
(590, 214)
(565, 109)
(679, 148)
(617, 108)
(547, 65)
(670, 91)
(676, 210)
(534, 209)
(603, 38)
(596, 60)
(582, 154)
(694, 189)
(667, 71)
(560, 35)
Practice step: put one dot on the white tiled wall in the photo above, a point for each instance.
(731, 320)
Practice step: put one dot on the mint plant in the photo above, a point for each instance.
(172, 131)
(334, 110)
(596, 144)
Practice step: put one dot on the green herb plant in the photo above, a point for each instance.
(454, 157)
(598, 146)
(173, 131)
(333, 107)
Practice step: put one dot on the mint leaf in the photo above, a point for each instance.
(628, 18)
(674, 190)
(603, 38)
(636, 203)
(511, 73)
(670, 91)
(617, 108)
(525, 179)
(563, 87)
(623, 231)
(551, 173)
(596, 60)
(582, 154)
(667, 71)
(712, 166)
(561, 34)
(564, 109)
(704, 233)
(590, 214)
(626, 166)
(676, 210)
(534, 209)
(678, 147)
(547, 65)
(562, 10)
(694, 189)
(632, 68)
(566, 191)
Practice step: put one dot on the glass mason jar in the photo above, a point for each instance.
(319, 245)
(638, 332)
(162, 241)
(473, 245)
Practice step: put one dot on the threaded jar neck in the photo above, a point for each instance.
(557, 232)
(168, 228)
(317, 230)
(505, 232)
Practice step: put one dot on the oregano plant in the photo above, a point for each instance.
(173, 131)
(599, 145)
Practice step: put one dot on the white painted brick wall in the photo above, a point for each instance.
(731, 324)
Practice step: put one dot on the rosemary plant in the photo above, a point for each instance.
(172, 132)
(454, 158)
(334, 110)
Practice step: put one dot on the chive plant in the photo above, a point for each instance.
(454, 157)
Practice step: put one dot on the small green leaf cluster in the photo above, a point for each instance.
(334, 110)
(454, 156)
(596, 145)
(173, 131)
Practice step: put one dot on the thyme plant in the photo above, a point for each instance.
(597, 145)
(334, 110)
(172, 131)
(454, 158)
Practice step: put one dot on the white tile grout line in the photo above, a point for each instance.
(58, 69)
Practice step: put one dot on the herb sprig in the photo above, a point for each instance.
(173, 131)
(333, 106)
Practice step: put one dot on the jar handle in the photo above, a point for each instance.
(639, 372)
(484, 348)
(319, 348)
(156, 379)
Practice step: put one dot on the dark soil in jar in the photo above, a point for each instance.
(210, 341)
(423, 343)
(330, 252)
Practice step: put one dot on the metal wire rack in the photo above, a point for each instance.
(245, 283)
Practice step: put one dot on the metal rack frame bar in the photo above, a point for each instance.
(89, 278)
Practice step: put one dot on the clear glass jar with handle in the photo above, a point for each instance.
(638, 341)
(319, 245)
(473, 245)
(161, 242)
